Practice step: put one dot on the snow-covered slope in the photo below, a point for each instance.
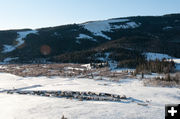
(84, 36)
(98, 27)
(24, 106)
(19, 40)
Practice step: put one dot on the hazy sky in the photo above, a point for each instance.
(42, 13)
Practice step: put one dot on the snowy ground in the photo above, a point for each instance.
(32, 107)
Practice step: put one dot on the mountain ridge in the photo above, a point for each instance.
(139, 33)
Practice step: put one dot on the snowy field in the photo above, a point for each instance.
(36, 107)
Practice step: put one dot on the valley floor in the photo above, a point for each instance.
(15, 106)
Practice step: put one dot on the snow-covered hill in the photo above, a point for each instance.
(19, 40)
(141, 33)
(98, 27)
(26, 106)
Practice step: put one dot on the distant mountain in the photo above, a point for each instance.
(81, 43)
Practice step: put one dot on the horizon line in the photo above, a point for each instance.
(26, 28)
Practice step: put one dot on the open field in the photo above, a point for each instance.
(81, 93)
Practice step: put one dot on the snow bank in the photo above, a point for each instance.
(20, 41)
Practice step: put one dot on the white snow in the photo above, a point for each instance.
(122, 70)
(88, 66)
(159, 56)
(71, 68)
(128, 25)
(22, 35)
(112, 63)
(133, 24)
(176, 60)
(19, 40)
(98, 27)
(84, 36)
(8, 59)
(27, 106)
(8, 48)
